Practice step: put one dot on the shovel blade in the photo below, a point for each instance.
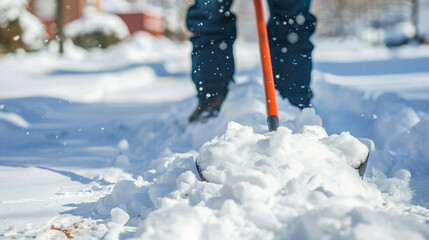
(200, 171)
(362, 167)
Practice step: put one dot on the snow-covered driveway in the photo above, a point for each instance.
(96, 145)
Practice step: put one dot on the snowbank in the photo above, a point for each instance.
(32, 32)
(11, 10)
(95, 21)
(111, 28)
(289, 184)
(278, 185)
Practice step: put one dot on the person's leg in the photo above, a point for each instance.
(289, 30)
(214, 29)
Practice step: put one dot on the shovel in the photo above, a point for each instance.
(268, 79)
(267, 69)
(268, 82)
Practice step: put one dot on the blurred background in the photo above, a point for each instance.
(28, 25)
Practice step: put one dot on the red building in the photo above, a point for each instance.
(74, 9)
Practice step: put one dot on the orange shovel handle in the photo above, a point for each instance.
(267, 70)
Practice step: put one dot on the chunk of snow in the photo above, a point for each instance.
(119, 216)
(123, 145)
(348, 148)
(178, 222)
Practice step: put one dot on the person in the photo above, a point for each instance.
(214, 31)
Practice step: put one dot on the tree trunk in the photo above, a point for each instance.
(59, 22)
(415, 18)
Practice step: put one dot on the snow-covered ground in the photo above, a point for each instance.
(96, 145)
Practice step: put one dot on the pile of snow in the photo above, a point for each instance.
(10, 10)
(94, 21)
(396, 126)
(32, 32)
(298, 182)
(277, 185)
(280, 156)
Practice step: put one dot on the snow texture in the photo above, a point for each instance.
(101, 137)
(10, 10)
(33, 31)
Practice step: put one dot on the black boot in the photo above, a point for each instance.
(207, 108)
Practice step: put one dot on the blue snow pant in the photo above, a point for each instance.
(289, 30)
